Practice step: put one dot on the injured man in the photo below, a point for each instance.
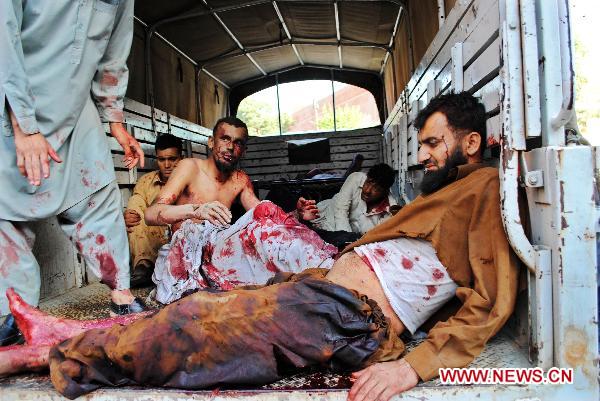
(448, 241)
(205, 251)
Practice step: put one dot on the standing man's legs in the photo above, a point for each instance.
(19, 270)
(96, 227)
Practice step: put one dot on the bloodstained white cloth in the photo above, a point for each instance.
(264, 241)
(412, 277)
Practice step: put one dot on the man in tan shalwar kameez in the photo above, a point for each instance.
(145, 240)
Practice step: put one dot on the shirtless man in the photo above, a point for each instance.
(262, 242)
(206, 189)
(448, 241)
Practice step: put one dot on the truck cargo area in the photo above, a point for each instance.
(404, 53)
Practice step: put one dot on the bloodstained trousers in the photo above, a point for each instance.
(96, 227)
(240, 337)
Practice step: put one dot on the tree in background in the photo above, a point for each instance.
(346, 117)
(587, 81)
(587, 101)
(261, 118)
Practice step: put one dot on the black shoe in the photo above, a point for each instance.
(135, 307)
(141, 278)
(9, 332)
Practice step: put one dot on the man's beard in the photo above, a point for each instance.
(226, 168)
(436, 179)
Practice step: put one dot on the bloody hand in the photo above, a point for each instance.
(132, 219)
(131, 147)
(307, 209)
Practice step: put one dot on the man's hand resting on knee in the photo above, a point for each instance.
(132, 219)
(382, 381)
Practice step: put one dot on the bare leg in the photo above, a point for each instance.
(23, 358)
(42, 331)
(39, 328)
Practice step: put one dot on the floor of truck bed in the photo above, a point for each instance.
(91, 302)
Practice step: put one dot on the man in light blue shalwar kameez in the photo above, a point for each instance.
(63, 71)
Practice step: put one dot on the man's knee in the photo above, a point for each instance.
(270, 211)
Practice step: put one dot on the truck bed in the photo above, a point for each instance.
(91, 302)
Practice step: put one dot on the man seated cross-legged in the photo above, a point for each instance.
(448, 241)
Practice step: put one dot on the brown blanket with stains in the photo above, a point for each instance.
(238, 337)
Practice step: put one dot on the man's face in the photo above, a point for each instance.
(436, 142)
(371, 192)
(167, 159)
(440, 151)
(228, 146)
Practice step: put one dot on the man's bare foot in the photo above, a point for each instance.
(122, 297)
(39, 328)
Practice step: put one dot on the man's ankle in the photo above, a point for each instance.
(122, 297)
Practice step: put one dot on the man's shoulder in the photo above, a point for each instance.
(147, 178)
(358, 174)
(240, 176)
(191, 162)
(189, 165)
(488, 174)
(477, 173)
(358, 177)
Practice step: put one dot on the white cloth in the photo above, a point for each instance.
(412, 277)
(259, 244)
(346, 211)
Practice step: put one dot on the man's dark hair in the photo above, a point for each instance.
(382, 175)
(236, 122)
(166, 141)
(462, 110)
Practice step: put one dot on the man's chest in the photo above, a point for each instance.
(205, 190)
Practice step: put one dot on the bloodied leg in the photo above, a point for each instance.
(97, 228)
(42, 331)
(40, 328)
(231, 338)
(262, 242)
(23, 358)
(18, 267)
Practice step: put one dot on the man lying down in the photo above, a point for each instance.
(448, 241)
